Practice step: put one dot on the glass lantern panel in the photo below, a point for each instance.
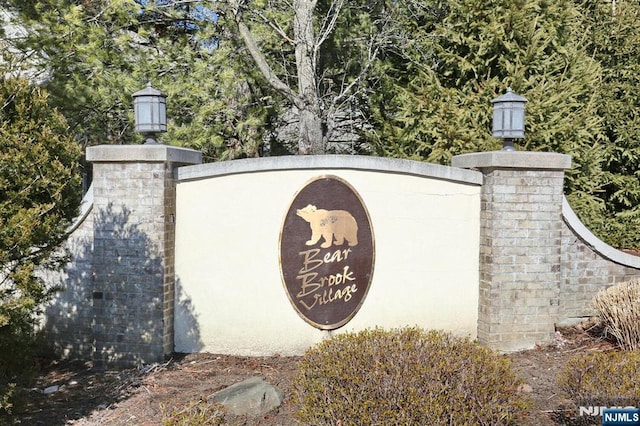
(150, 114)
(143, 115)
(155, 113)
(517, 120)
(498, 120)
(162, 116)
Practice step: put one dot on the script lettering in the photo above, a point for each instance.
(337, 286)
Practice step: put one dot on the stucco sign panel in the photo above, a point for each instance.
(327, 252)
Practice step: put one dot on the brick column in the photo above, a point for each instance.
(133, 258)
(520, 245)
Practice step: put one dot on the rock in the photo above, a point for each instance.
(51, 389)
(253, 397)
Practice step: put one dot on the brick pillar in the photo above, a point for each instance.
(520, 245)
(133, 258)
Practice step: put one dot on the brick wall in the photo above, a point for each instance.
(588, 266)
(520, 246)
(539, 266)
(69, 315)
(520, 257)
(133, 281)
(128, 263)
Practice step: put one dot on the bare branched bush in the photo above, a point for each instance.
(406, 377)
(619, 310)
(602, 379)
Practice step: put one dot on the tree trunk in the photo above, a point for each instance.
(311, 136)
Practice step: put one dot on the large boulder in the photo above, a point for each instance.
(252, 397)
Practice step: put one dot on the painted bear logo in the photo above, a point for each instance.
(329, 224)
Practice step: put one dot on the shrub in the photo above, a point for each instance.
(200, 412)
(619, 310)
(603, 379)
(39, 196)
(405, 376)
(17, 366)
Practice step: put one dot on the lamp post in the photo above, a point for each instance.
(508, 118)
(150, 111)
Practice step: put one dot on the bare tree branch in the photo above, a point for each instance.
(373, 50)
(328, 25)
(323, 102)
(261, 60)
(277, 28)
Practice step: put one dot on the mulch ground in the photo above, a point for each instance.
(74, 393)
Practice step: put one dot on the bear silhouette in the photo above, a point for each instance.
(329, 224)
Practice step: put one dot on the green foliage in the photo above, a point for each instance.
(39, 197)
(603, 379)
(406, 376)
(420, 76)
(85, 54)
(194, 413)
(467, 53)
(238, 108)
(95, 54)
(576, 62)
(613, 39)
(618, 308)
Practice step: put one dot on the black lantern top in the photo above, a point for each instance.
(508, 116)
(150, 110)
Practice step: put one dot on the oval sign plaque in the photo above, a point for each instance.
(327, 252)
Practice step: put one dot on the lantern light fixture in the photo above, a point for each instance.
(150, 113)
(508, 118)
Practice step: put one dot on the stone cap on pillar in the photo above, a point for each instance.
(142, 153)
(513, 160)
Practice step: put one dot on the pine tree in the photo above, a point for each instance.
(437, 100)
(39, 196)
(613, 39)
(94, 54)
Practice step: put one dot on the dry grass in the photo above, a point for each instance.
(619, 310)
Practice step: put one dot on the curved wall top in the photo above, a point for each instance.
(597, 245)
(85, 208)
(349, 162)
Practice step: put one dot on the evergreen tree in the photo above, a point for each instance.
(437, 100)
(94, 54)
(613, 39)
(39, 196)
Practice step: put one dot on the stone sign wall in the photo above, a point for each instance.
(230, 257)
(255, 278)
